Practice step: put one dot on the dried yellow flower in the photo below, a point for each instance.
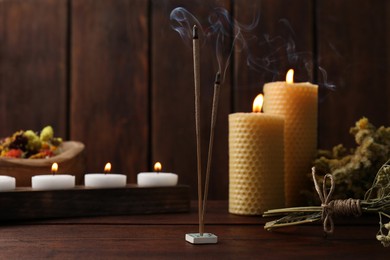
(354, 169)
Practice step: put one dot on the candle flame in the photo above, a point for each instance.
(107, 168)
(290, 76)
(157, 167)
(54, 168)
(258, 103)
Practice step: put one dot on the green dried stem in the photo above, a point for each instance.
(292, 219)
(273, 212)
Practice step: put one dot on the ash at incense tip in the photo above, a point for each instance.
(217, 78)
(195, 32)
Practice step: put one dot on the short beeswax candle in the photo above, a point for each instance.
(297, 103)
(256, 179)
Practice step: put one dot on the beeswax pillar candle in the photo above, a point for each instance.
(297, 103)
(256, 179)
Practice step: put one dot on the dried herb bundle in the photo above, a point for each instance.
(353, 169)
(376, 200)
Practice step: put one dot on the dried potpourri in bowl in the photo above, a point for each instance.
(30, 144)
(29, 153)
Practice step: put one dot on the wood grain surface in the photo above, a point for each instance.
(26, 203)
(353, 48)
(33, 83)
(162, 236)
(116, 76)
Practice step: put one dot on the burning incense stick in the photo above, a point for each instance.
(214, 110)
(201, 237)
(195, 43)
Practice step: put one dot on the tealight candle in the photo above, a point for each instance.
(106, 179)
(7, 183)
(53, 181)
(156, 178)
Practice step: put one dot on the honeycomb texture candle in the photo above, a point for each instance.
(297, 103)
(256, 181)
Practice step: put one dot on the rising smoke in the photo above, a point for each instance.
(268, 54)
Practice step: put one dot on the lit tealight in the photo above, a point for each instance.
(106, 179)
(156, 178)
(53, 181)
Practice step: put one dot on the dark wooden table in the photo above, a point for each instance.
(162, 236)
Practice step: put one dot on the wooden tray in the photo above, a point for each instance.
(71, 161)
(25, 203)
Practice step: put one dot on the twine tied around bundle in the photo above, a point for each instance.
(330, 208)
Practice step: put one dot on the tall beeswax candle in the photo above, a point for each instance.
(297, 103)
(256, 180)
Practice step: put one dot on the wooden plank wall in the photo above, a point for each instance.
(33, 65)
(116, 76)
(354, 48)
(109, 83)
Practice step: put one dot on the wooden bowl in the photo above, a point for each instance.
(71, 161)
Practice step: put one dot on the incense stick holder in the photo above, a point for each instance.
(197, 239)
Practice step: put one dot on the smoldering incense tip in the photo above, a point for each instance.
(217, 78)
(195, 32)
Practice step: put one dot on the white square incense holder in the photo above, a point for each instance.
(197, 239)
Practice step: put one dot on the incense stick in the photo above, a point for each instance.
(214, 110)
(195, 43)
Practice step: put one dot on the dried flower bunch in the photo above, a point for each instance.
(353, 170)
(30, 144)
